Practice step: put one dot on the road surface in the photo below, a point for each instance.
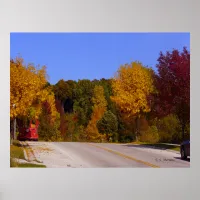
(104, 155)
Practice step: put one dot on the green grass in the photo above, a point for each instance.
(29, 165)
(16, 143)
(13, 163)
(16, 152)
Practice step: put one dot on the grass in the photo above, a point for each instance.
(160, 145)
(29, 165)
(16, 152)
(16, 143)
(13, 163)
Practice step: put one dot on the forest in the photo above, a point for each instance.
(136, 104)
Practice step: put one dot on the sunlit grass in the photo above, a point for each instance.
(29, 165)
(16, 152)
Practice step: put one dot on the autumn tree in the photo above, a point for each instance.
(48, 129)
(131, 87)
(99, 107)
(72, 133)
(62, 91)
(26, 86)
(173, 84)
(108, 92)
(28, 90)
(64, 94)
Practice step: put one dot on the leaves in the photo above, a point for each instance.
(135, 98)
(49, 130)
(173, 84)
(108, 124)
(29, 90)
(26, 86)
(99, 108)
(131, 86)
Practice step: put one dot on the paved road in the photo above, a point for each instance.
(76, 154)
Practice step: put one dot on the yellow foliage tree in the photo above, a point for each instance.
(100, 105)
(28, 91)
(131, 86)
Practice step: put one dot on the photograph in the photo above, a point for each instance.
(99, 100)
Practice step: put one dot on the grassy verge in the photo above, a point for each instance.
(29, 165)
(159, 146)
(16, 152)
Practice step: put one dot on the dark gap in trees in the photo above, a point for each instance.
(68, 105)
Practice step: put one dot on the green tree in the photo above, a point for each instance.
(83, 101)
(150, 135)
(62, 90)
(169, 129)
(108, 125)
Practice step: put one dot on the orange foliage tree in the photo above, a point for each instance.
(100, 105)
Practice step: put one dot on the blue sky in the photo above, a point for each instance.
(92, 55)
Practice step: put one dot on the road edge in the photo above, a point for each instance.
(153, 147)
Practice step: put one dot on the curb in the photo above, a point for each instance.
(25, 154)
(32, 152)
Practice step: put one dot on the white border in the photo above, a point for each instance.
(98, 16)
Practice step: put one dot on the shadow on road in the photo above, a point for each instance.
(179, 158)
(146, 146)
(153, 147)
(138, 146)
